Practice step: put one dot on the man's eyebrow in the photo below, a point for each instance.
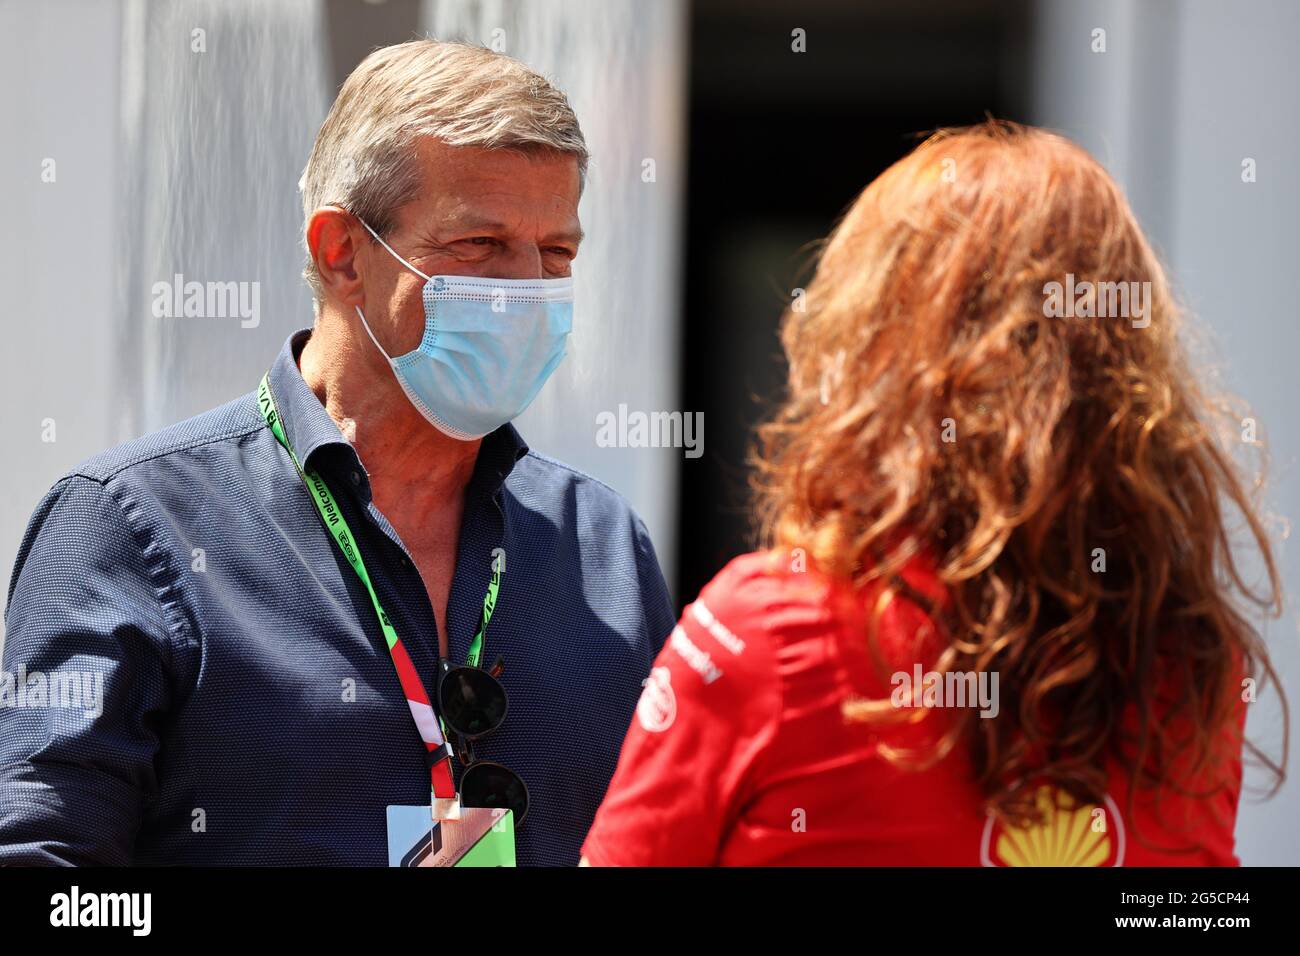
(470, 221)
(458, 223)
(574, 235)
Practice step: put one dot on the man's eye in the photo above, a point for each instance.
(481, 240)
(562, 251)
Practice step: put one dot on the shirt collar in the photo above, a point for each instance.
(309, 428)
(497, 456)
(306, 424)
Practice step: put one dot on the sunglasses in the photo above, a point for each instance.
(473, 704)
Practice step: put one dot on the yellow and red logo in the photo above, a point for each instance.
(1068, 834)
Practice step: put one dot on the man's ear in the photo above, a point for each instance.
(333, 237)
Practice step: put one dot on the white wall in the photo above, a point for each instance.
(59, 67)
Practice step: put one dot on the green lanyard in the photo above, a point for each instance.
(475, 655)
(332, 515)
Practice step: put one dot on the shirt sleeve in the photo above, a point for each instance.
(84, 687)
(654, 590)
(707, 712)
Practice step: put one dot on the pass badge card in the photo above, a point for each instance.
(481, 837)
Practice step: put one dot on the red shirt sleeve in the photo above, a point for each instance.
(708, 711)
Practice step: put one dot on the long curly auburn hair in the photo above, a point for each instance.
(937, 400)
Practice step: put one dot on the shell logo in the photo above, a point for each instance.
(1067, 835)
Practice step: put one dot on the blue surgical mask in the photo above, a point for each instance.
(489, 346)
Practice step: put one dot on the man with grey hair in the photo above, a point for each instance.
(353, 592)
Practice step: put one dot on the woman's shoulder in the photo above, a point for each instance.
(777, 613)
(762, 582)
(785, 589)
(772, 596)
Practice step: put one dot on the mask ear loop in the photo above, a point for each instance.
(392, 252)
(364, 324)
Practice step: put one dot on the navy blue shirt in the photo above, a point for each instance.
(250, 710)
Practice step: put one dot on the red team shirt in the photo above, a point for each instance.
(739, 753)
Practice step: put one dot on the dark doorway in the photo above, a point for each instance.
(780, 143)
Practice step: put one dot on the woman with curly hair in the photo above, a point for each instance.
(998, 620)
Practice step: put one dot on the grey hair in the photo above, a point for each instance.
(459, 94)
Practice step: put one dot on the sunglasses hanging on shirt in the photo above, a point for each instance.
(472, 703)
